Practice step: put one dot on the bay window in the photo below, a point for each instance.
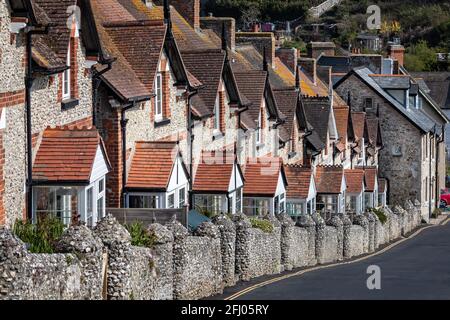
(214, 204)
(256, 206)
(144, 201)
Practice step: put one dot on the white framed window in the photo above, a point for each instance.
(159, 97)
(3, 118)
(217, 114)
(90, 206)
(239, 200)
(256, 206)
(144, 201)
(66, 77)
(181, 197)
(101, 199)
(171, 201)
(213, 204)
(259, 129)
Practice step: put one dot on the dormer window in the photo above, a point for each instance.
(159, 97)
(66, 77)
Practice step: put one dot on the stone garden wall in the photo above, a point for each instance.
(103, 264)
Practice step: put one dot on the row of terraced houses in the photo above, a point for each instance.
(145, 104)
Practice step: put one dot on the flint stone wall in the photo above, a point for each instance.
(257, 253)
(355, 242)
(197, 261)
(294, 244)
(74, 274)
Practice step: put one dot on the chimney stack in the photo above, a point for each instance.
(289, 57)
(189, 9)
(397, 52)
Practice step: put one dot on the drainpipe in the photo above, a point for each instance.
(438, 142)
(29, 79)
(96, 81)
(28, 85)
(430, 181)
(191, 151)
(123, 126)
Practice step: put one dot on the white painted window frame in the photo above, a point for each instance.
(159, 97)
(66, 76)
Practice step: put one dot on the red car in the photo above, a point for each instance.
(445, 198)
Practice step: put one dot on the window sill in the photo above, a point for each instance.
(69, 104)
(162, 122)
(217, 135)
(292, 155)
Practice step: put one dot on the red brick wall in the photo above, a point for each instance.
(222, 111)
(13, 98)
(113, 145)
(288, 57)
(189, 9)
(74, 67)
(166, 94)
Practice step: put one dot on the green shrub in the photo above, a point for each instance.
(139, 235)
(436, 212)
(42, 236)
(380, 214)
(261, 224)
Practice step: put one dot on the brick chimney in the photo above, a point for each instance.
(261, 41)
(397, 52)
(289, 57)
(309, 67)
(216, 24)
(189, 9)
(315, 49)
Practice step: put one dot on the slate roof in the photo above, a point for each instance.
(415, 116)
(317, 111)
(391, 81)
(252, 84)
(207, 66)
(66, 154)
(287, 101)
(341, 115)
(438, 84)
(151, 165)
(299, 181)
(329, 179)
(214, 172)
(123, 25)
(261, 176)
(355, 180)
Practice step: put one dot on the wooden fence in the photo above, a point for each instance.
(149, 216)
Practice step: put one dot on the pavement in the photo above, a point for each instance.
(416, 268)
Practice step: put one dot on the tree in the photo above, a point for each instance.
(420, 57)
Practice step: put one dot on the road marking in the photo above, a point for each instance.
(299, 273)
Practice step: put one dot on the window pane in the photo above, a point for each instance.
(101, 186)
(182, 197)
(143, 201)
(89, 206)
(100, 208)
(171, 201)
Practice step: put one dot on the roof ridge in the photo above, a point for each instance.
(133, 23)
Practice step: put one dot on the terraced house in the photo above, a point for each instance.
(59, 170)
(146, 105)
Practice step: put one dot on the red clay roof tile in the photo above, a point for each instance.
(355, 180)
(66, 154)
(299, 181)
(151, 165)
(214, 172)
(261, 176)
(329, 179)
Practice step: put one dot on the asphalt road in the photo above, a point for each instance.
(415, 269)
